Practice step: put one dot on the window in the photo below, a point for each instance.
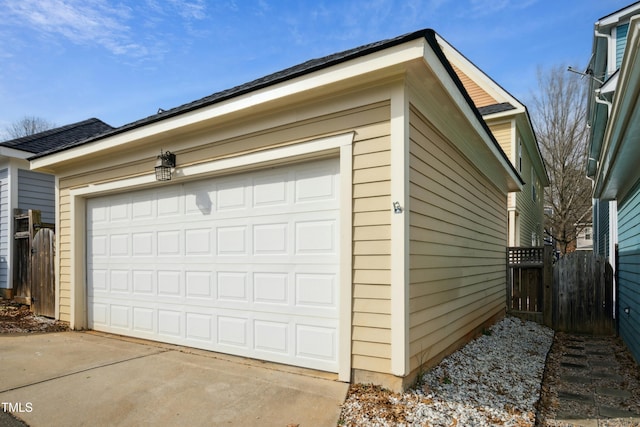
(519, 154)
(587, 233)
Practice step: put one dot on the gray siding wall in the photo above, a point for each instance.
(4, 228)
(629, 271)
(37, 191)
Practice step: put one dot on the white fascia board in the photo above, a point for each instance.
(617, 169)
(507, 115)
(611, 84)
(477, 75)
(616, 17)
(350, 69)
(441, 73)
(12, 152)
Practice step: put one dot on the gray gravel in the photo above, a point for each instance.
(493, 380)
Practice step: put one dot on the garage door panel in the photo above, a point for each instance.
(199, 285)
(199, 327)
(143, 320)
(170, 323)
(315, 185)
(245, 264)
(232, 196)
(170, 202)
(118, 210)
(271, 189)
(233, 331)
(272, 337)
(316, 342)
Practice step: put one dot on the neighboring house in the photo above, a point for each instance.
(21, 188)
(509, 121)
(347, 214)
(614, 153)
(584, 240)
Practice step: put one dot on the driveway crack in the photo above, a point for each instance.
(117, 362)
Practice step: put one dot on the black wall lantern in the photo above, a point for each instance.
(164, 164)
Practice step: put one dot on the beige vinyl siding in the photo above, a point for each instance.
(372, 253)
(503, 133)
(458, 235)
(371, 208)
(530, 212)
(478, 95)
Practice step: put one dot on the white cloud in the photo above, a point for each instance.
(81, 22)
(487, 7)
(190, 9)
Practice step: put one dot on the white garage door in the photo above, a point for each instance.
(245, 264)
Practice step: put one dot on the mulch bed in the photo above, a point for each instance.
(16, 318)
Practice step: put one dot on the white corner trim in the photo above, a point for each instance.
(56, 264)
(400, 357)
(345, 293)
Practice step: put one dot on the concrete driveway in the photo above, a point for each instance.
(85, 378)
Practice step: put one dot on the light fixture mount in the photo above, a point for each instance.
(165, 164)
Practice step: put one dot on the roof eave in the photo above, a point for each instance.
(376, 62)
(617, 170)
(14, 153)
(513, 180)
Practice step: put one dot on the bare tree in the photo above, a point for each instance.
(559, 119)
(28, 125)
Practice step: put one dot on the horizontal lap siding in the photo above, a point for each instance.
(371, 217)
(64, 240)
(458, 227)
(372, 252)
(530, 211)
(503, 134)
(629, 271)
(479, 96)
(5, 239)
(36, 191)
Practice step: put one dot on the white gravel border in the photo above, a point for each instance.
(493, 380)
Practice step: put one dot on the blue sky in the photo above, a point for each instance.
(69, 60)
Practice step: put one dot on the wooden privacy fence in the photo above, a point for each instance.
(33, 277)
(529, 282)
(583, 294)
(573, 294)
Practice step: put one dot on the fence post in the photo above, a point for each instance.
(547, 286)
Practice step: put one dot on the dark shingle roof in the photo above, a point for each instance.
(296, 71)
(496, 108)
(260, 83)
(59, 138)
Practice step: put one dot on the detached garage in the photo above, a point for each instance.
(347, 214)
